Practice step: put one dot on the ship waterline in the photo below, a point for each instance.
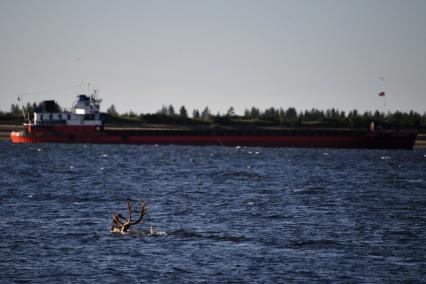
(311, 138)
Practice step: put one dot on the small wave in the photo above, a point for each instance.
(244, 175)
(217, 237)
(186, 234)
(275, 216)
(410, 180)
(315, 244)
(308, 190)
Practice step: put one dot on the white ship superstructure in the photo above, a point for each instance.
(85, 111)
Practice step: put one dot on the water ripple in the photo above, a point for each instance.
(217, 214)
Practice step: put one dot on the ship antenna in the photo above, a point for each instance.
(20, 99)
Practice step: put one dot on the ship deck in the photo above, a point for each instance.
(158, 130)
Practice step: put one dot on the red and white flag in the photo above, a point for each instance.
(381, 94)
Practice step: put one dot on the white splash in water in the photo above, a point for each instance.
(158, 233)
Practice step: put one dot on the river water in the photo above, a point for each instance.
(218, 214)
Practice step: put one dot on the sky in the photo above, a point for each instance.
(222, 53)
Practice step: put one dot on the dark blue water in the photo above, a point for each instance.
(221, 214)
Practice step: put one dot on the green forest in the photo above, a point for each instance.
(289, 117)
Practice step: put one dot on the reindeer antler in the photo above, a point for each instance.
(123, 224)
(129, 207)
(143, 211)
(116, 218)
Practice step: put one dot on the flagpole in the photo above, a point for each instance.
(383, 94)
(384, 103)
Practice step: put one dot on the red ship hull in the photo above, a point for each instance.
(380, 139)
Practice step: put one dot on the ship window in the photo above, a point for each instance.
(41, 117)
(83, 98)
(60, 116)
(50, 116)
(69, 116)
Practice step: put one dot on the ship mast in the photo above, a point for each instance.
(24, 114)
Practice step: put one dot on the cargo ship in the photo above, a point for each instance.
(84, 124)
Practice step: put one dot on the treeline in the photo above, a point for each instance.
(289, 117)
(16, 111)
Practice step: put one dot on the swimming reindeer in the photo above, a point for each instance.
(122, 224)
